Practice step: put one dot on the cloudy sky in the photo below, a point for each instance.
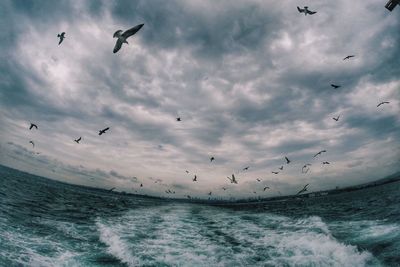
(249, 79)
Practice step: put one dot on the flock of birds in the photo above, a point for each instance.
(122, 39)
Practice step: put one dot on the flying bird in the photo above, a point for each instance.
(319, 153)
(195, 178)
(211, 159)
(210, 193)
(281, 168)
(31, 142)
(78, 140)
(122, 36)
(275, 172)
(306, 11)
(325, 162)
(188, 197)
(223, 188)
(302, 190)
(335, 86)
(103, 131)
(141, 185)
(258, 180)
(187, 171)
(246, 168)
(337, 118)
(178, 119)
(33, 126)
(265, 188)
(287, 160)
(348, 57)
(385, 102)
(305, 167)
(61, 36)
(233, 180)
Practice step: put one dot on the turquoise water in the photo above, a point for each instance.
(46, 223)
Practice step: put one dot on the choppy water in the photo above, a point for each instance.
(45, 223)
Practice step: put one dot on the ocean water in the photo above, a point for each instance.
(46, 223)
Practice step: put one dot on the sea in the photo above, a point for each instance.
(48, 223)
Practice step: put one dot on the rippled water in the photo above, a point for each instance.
(45, 223)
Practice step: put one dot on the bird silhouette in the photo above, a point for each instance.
(187, 171)
(305, 168)
(211, 159)
(61, 36)
(287, 160)
(223, 188)
(210, 193)
(31, 142)
(306, 11)
(246, 168)
(275, 172)
(337, 118)
(33, 126)
(302, 190)
(325, 162)
(258, 180)
(195, 178)
(103, 131)
(335, 86)
(385, 102)
(265, 188)
(141, 185)
(78, 140)
(233, 179)
(348, 57)
(178, 119)
(319, 153)
(122, 36)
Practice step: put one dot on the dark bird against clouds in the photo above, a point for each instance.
(335, 86)
(33, 126)
(265, 188)
(275, 172)
(306, 11)
(385, 102)
(33, 144)
(233, 180)
(287, 160)
(178, 119)
(305, 169)
(348, 57)
(211, 159)
(195, 178)
(258, 180)
(123, 36)
(319, 153)
(78, 140)
(325, 162)
(246, 168)
(337, 118)
(103, 131)
(61, 36)
(302, 190)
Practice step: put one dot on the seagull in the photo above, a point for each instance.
(258, 180)
(306, 11)
(141, 185)
(325, 162)
(287, 160)
(33, 125)
(233, 180)
(305, 167)
(195, 178)
(348, 57)
(178, 119)
(337, 118)
(385, 102)
(335, 86)
(61, 36)
(104, 130)
(303, 190)
(281, 168)
(31, 142)
(319, 153)
(77, 140)
(111, 189)
(187, 171)
(211, 159)
(246, 168)
(275, 172)
(123, 36)
(265, 188)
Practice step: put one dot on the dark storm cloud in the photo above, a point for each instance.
(250, 80)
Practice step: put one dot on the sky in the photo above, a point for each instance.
(250, 81)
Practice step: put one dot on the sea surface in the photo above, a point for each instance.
(47, 223)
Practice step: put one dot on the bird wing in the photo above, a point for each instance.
(117, 46)
(300, 10)
(312, 12)
(106, 129)
(132, 31)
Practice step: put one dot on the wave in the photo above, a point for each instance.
(189, 236)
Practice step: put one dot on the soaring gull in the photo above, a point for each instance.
(122, 36)
(33, 126)
(103, 131)
(78, 140)
(306, 11)
(319, 153)
(61, 36)
(385, 102)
